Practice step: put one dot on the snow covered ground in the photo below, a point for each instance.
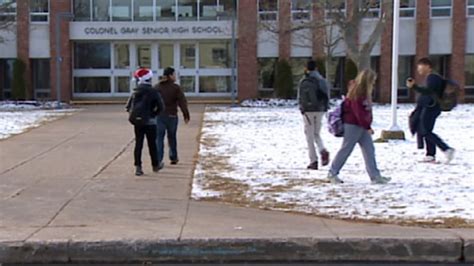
(16, 118)
(257, 157)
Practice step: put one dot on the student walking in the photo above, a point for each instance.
(423, 118)
(357, 117)
(143, 106)
(313, 98)
(167, 122)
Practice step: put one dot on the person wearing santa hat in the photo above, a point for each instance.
(144, 105)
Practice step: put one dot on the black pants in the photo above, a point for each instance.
(150, 133)
(429, 117)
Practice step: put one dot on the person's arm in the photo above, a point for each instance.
(129, 102)
(433, 83)
(183, 105)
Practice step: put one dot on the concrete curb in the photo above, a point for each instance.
(232, 250)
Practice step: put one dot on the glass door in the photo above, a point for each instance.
(121, 69)
(187, 58)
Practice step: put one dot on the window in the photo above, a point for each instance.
(268, 9)
(39, 10)
(208, 9)
(373, 8)
(7, 10)
(298, 65)
(165, 10)
(470, 7)
(407, 8)
(405, 70)
(229, 7)
(92, 84)
(267, 73)
(441, 8)
(143, 10)
(166, 55)
(214, 54)
(188, 56)
(144, 55)
(440, 64)
(188, 84)
(82, 10)
(214, 84)
(469, 73)
(121, 10)
(122, 84)
(100, 10)
(301, 9)
(187, 10)
(92, 55)
(7, 77)
(122, 56)
(335, 7)
(41, 79)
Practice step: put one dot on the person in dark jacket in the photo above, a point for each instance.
(423, 118)
(167, 122)
(313, 98)
(357, 117)
(150, 100)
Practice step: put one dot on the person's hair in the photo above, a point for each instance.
(169, 71)
(311, 65)
(363, 85)
(425, 61)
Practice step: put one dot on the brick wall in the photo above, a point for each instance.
(247, 50)
(458, 57)
(23, 42)
(284, 38)
(57, 6)
(318, 32)
(422, 32)
(385, 74)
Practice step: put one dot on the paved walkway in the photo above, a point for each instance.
(68, 193)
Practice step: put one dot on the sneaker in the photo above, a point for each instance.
(428, 159)
(325, 157)
(381, 180)
(313, 166)
(174, 162)
(138, 171)
(449, 155)
(335, 179)
(156, 169)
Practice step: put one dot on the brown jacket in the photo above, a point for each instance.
(173, 97)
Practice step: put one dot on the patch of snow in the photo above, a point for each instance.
(16, 122)
(269, 103)
(29, 105)
(267, 153)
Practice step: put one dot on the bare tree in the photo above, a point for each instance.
(7, 17)
(338, 22)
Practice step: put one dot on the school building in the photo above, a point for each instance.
(107, 40)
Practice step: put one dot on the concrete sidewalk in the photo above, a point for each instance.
(68, 194)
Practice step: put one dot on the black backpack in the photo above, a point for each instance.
(449, 96)
(308, 84)
(139, 110)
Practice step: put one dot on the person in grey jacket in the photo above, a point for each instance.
(313, 98)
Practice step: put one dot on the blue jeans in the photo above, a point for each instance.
(167, 126)
(356, 135)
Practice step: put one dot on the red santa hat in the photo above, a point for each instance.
(143, 76)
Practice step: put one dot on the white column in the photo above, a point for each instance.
(395, 45)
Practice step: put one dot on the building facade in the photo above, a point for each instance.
(108, 39)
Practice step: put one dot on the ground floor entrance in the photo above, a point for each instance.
(104, 68)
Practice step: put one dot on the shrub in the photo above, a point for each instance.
(284, 80)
